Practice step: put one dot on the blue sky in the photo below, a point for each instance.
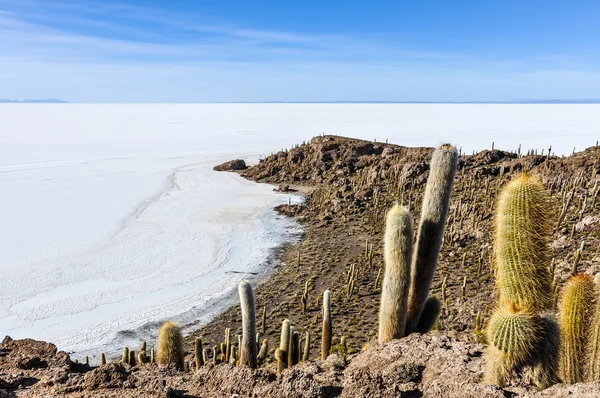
(210, 50)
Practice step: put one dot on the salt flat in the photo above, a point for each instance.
(112, 219)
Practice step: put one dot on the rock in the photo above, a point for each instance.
(232, 165)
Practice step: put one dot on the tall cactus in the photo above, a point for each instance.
(282, 352)
(125, 355)
(198, 353)
(326, 327)
(170, 345)
(576, 308)
(396, 280)
(523, 228)
(592, 363)
(443, 167)
(247, 353)
(519, 332)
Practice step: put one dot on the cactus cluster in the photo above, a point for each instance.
(405, 303)
(521, 331)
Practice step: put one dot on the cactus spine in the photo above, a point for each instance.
(283, 346)
(248, 347)
(326, 327)
(396, 281)
(574, 318)
(443, 167)
(170, 345)
(198, 353)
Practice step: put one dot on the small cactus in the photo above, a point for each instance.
(132, 358)
(264, 350)
(576, 308)
(170, 345)
(429, 316)
(284, 344)
(514, 337)
(198, 353)
(142, 359)
(248, 347)
(306, 352)
(125, 356)
(396, 281)
(326, 327)
(102, 359)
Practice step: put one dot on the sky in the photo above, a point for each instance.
(290, 50)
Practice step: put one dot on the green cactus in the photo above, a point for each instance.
(514, 337)
(283, 346)
(125, 356)
(102, 359)
(523, 228)
(233, 356)
(198, 353)
(132, 358)
(430, 314)
(576, 308)
(170, 345)
(396, 281)
(281, 358)
(592, 363)
(248, 347)
(545, 364)
(306, 351)
(290, 351)
(142, 359)
(442, 171)
(264, 350)
(295, 348)
(143, 348)
(326, 327)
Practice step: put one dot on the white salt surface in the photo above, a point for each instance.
(112, 220)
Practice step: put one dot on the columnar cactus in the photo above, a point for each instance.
(283, 346)
(102, 359)
(306, 352)
(125, 355)
(248, 348)
(326, 327)
(430, 314)
(132, 358)
(523, 228)
(170, 345)
(396, 281)
(576, 308)
(442, 171)
(198, 353)
(519, 332)
(264, 350)
(592, 363)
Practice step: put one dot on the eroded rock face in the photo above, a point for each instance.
(232, 165)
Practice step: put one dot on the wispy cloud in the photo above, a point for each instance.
(110, 51)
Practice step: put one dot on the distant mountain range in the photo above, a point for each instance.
(33, 101)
